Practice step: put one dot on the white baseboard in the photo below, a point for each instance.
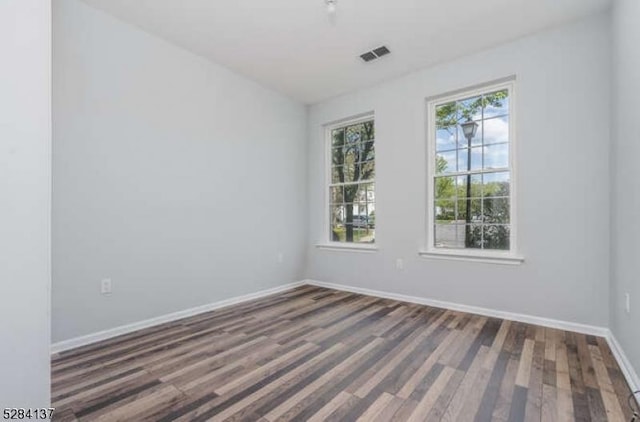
(125, 329)
(623, 361)
(529, 319)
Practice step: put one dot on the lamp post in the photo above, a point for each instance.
(469, 129)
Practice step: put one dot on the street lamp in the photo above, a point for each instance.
(469, 129)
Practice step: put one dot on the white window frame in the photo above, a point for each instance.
(326, 241)
(479, 255)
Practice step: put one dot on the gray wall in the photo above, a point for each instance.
(174, 177)
(563, 165)
(25, 204)
(625, 234)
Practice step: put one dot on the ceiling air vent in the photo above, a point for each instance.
(375, 54)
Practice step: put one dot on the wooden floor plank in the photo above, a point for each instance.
(322, 355)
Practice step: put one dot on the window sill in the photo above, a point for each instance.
(502, 259)
(341, 247)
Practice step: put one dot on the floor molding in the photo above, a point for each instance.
(125, 329)
(625, 364)
(529, 319)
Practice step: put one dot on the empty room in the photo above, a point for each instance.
(319, 210)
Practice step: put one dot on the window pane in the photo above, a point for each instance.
(446, 115)
(353, 134)
(364, 192)
(367, 170)
(496, 210)
(337, 137)
(496, 130)
(337, 194)
(475, 207)
(337, 214)
(496, 103)
(367, 151)
(449, 235)
(445, 187)
(341, 174)
(496, 184)
(473, 236)
(476, 186)
(470, 108)
(445, 211)
(475, 140)
(476, 159)
(446, 138)
(446, 162)
(337, 156)
(357, 232)
(351, 154)
(496, 237)
(496, 156)
(368, 131)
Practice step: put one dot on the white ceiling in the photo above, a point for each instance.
(291, 45)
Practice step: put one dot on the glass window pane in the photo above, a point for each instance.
(445, 211)
(337, 137)
(449, 235)
(337, 214)
(496, 210)
(368, 131)
(337, 174)
(475, 207)
(496, 237)
(364, 192)
(446, 162)
(367, 151)
(470, 108)
(463, 159)
(476, 186)
(496, 156)
(351, 155)
(367, 170)
(496, 103)
(445, 187)
(476, 139)
(353, 134)
(446, 138)
(496, 130)
(476, 158)
(496, 184)
(446, 115)
(337, 156)
(473, 236)
(337, 194)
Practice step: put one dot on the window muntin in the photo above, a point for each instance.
(352, 183)
(470, 172)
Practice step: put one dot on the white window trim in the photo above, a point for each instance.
(326, 243)
(476, 255)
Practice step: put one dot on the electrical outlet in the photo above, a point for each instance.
(105, 286)
(399, 264)
(280, 257)
(627, 302)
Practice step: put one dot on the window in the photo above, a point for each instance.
(470, 172)
(352, 205)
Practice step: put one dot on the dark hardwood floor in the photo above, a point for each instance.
(317, 354)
